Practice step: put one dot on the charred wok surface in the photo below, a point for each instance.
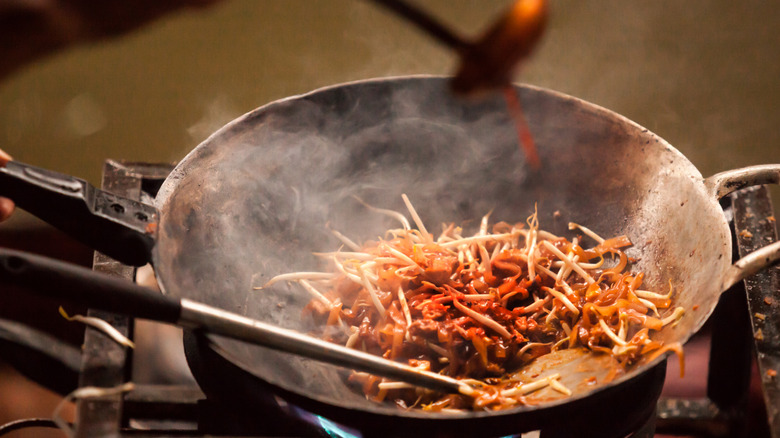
(298, 163)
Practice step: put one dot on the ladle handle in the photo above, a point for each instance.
(118, 227)
(82, 286)
(78, 285)
(425, 22)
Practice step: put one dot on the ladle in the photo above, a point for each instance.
(488, 62)
(82, 286)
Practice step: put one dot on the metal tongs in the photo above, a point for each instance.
(489, 62)
(74, 284)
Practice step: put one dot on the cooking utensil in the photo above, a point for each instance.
(82, 286)
(489, 61)
(257, 198)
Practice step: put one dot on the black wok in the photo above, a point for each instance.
(257, 197)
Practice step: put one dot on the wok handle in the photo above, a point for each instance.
(723, 183)
(78, 285)
(118, 227)
(750, 264)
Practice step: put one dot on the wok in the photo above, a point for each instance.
(258, 197)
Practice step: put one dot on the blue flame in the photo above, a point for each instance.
(336, 430)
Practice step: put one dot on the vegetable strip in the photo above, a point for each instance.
(480, 307)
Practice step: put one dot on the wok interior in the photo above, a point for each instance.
(256, 199)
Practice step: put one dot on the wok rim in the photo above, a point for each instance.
(170, 184)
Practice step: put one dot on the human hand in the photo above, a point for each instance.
(30, 29)
(6, 205)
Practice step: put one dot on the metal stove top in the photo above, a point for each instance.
(156, 410)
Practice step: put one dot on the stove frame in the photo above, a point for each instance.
(751, 307)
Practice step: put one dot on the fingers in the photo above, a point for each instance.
(6, 208)
(6, 205)
(4, 158)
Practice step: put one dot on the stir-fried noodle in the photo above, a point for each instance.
(479, 307)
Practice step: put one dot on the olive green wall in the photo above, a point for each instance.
(705, 75)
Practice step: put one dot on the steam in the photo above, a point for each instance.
(272, 183)
(256, 199)
(216, 113)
